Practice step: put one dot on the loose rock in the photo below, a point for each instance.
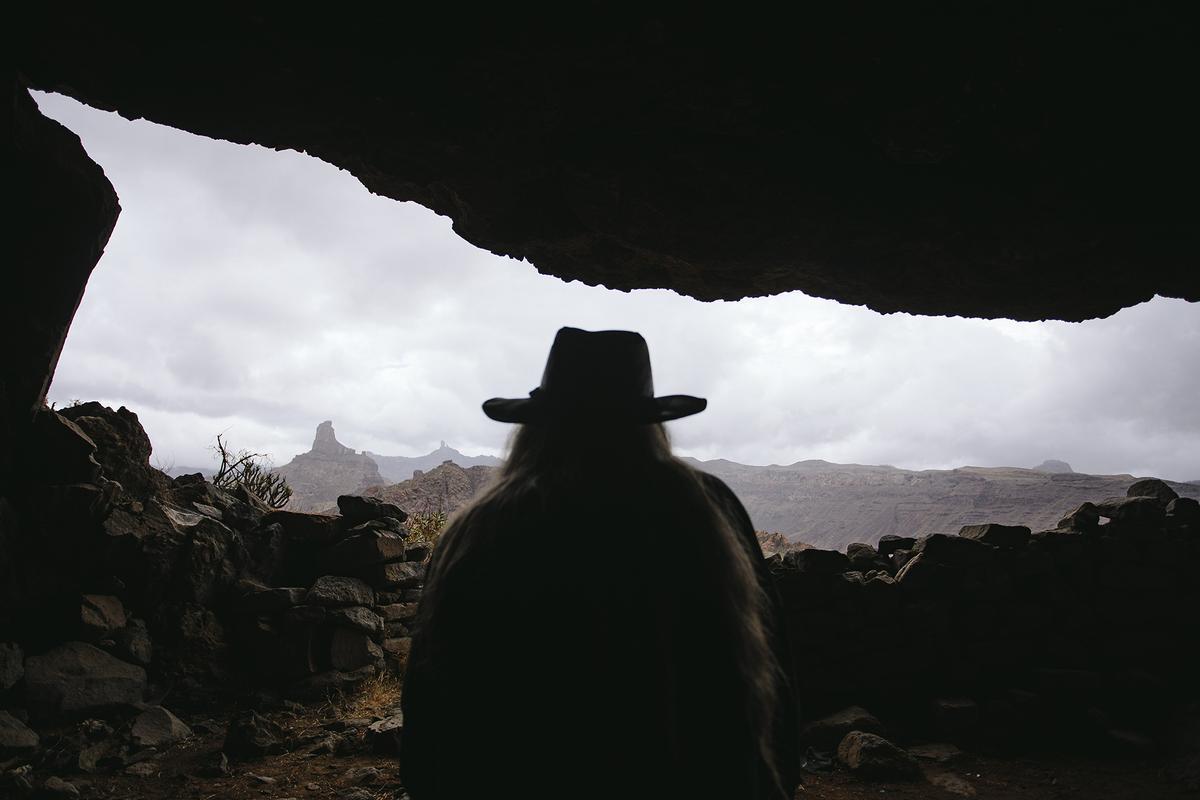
(15, 736)
(12, 664)
(874, 757)
(357, 510)
(77, 677)
(158, 727)
(827, 732)
(335, 590)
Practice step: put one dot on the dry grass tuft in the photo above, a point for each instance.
(378, 696)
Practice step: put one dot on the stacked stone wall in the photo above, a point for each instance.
(1088, 629)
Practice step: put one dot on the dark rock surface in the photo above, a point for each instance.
(15, 735)
(123, 447)
(874, 757)
(357, 510)
(336, 590)
(158, 727)
(909, 160)
(62, 214)
(76, 678)
(252, 736)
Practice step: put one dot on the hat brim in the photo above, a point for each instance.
(642, 411)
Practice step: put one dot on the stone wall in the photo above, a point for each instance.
(118, 581)
(1087, 633)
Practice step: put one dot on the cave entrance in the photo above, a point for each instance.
(256, 293)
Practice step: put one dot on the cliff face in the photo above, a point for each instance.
(327, 470)
(832, 505)
(445, 488)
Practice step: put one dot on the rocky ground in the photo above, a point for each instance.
(344, 748)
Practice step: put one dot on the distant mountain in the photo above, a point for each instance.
(443, 488)
(813, 502)
(1051, 465)
(400, 468)
(331, 468)
(175, 472)
(832, 505)
(326, 471)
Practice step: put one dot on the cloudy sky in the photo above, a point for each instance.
(255, 293)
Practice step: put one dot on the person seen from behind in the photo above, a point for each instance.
(599, 622)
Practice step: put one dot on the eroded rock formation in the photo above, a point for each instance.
(328, 470)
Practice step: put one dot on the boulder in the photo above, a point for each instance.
(351, 649)
(1152, 487)
(250, 736)
(357, 618)
(15, 736)
(270, 601)
(356, 510)
(418, 552)
(398, 612)
(396, 575)
(132, 643)
(122, 446)
(12, 664)
(158, 727)
(55, 786)
(952, 551)
(59, 452)
(76, 677)
(874, 757)
(812, 561)
(384, 736)
(337, 590)
(890, 544)
(100, 615)
(383, 524)
(1133, 512)
(305, 528)
(1005, 536)
(1084, 518)
(864, 558)
(1183, 511)
(365, 549)
(827, 732)
(398, 647)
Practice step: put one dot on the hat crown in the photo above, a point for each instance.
(595, 376)
(592, 367)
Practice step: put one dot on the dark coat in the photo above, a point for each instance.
(574, 657)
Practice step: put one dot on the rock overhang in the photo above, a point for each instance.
(989, 162)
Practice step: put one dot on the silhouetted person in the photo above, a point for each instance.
(599, 622)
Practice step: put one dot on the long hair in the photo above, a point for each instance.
(547, 461)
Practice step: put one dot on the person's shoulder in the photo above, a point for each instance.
(714, 485)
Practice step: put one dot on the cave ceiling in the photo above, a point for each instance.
(984, 160)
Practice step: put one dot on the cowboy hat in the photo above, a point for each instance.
(596, 375)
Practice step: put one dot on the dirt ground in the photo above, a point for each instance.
(194, 769)
(294, 775)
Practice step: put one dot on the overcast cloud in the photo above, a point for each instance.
(256, 293)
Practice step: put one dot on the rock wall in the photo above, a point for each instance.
(113, 590)
(62, 210)
(174, 582)
(1086, 633)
